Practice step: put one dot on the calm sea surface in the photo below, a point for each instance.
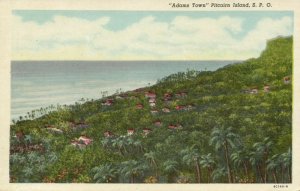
(36, 84)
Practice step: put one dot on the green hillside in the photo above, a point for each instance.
(233, 125)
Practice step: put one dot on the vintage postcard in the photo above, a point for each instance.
(147, 95)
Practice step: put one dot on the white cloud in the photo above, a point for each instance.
(66, 38)
(265, 29)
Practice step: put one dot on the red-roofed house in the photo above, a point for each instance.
(167, 97)
(179, 107)
(150, 95)
(158, 123)
(139, 106)
(254, 91)
(287, 80)
(130, 131)
(108, 102)
(266, 88)
(146, 131)
(152, 104)
(181, 94)
(77, 144)
(188, 107)
(108, 134)
(74, 143)
(20, 135)
(80, 125)
(55, 130)
(166, 110)
(172, 126)
(85, 140)
(178, 126)
(154, 111)
(152, 100)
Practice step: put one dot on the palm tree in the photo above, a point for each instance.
(223, 138)
(170, 168)
(151, 156)
(287, 159)
(52, 157)
(28, 139)
(218, 174)
(240, 158)
(273, 166)
(14, 157)
(264, 148)
(104, 173)
(28, 171)
(32, 157)
(106, 142)
(132, 169)
(286, 164)
(256, 160)
(138, 144)
(207, 161)
(191, 157)
(120, 143)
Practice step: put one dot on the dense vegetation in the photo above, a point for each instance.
(233, 125)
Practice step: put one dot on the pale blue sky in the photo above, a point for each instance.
(249, 21)
(121, 19)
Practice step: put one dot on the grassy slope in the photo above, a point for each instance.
(217, 100)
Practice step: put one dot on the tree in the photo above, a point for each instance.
(28, 140)
(207, 161)
(170, 168)
(264, 148)
(223, 138)
(273, 166)
(104, 173)
(120, 143)
(240, 158)
(286, 164)
(191, 157)
(151, 157)
(138, 144)
(287, 159)
(256, 160)
(106, 142)
(218, 174)
(132, 169)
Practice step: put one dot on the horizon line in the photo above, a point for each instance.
(121, 60)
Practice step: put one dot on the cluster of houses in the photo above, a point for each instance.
(151, 98)
(266, 88)
(83, 141)
(80, 142)
(167, 98)
(145, 131)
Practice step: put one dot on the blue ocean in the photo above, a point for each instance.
(36, 84)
